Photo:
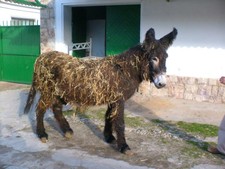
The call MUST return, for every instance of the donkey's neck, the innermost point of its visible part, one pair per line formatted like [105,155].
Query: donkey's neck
[133,63]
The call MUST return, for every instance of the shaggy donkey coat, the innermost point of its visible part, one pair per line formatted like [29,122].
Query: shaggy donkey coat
[61,78]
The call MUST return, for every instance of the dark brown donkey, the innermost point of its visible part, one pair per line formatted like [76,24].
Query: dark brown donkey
[60,79]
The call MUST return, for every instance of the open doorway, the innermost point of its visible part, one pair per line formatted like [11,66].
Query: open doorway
[112,29]
[89,22]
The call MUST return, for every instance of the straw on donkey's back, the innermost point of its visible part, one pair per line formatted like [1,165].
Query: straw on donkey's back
[83,82]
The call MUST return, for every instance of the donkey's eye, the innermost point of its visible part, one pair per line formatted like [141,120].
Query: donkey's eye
[155,59]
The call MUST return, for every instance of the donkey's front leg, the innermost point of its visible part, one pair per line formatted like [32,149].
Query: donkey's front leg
[119,126]
[63,123]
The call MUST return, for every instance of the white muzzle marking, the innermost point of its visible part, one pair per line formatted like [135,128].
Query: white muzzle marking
[160,81]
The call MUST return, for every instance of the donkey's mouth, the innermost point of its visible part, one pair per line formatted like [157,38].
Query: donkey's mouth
[160,81]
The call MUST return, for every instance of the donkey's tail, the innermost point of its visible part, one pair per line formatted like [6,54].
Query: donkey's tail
[30,98]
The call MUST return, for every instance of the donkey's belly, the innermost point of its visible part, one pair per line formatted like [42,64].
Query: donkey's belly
[91,97]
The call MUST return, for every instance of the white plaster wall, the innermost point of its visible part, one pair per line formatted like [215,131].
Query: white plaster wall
[9,10]
[199,50]
[68,25]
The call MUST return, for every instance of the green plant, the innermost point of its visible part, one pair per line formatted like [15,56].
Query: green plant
[205,130]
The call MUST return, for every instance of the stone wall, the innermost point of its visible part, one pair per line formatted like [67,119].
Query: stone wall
[47,26]
[198,89]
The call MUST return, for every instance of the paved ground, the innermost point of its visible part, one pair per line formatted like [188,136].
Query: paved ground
[153,147]
[11,86]
[178,109]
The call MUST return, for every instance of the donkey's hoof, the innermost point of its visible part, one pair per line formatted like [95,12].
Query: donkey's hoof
[125,149]
[128,152]
[69,134]
[44,139]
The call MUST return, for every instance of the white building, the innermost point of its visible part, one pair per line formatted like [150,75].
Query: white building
[199,50]
[14,12]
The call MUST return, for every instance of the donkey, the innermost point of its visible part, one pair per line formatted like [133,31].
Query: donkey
[61,79]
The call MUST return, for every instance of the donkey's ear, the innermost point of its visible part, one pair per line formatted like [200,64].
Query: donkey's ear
[150,35]
[168,39]
[149,39]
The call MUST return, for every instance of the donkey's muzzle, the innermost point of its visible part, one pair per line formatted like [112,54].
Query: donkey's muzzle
[160,81]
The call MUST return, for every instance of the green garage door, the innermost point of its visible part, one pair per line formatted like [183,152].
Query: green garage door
[19,48]
[122,28]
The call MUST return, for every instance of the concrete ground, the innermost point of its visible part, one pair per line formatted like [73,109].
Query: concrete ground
[11,86]
[173,109]
[154,147]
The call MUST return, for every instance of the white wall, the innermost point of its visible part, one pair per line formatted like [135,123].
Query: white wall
[9,10]
[199,50]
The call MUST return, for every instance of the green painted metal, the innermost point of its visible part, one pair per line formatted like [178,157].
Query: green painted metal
[122,28]
[35,3]
[18,68]
[19,48]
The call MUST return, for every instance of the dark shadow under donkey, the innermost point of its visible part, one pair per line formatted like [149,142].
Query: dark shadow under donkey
[61,79]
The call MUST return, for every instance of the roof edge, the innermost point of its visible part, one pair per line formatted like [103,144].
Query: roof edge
[33,3]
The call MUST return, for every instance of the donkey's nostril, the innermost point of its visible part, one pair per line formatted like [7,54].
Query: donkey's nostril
[161,84]
[160,81]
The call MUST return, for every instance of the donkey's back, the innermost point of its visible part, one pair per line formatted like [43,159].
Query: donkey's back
[77,81]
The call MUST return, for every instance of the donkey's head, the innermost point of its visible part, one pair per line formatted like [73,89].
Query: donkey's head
[156,54]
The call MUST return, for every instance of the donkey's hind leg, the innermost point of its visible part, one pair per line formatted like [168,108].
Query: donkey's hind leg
[109,138]
[40,111]
[63,123]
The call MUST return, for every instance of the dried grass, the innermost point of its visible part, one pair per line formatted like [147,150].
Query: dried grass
[79,82]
